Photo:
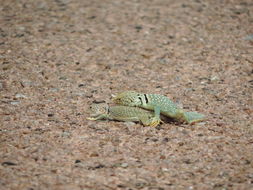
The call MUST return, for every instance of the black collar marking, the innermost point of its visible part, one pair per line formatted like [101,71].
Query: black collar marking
[146,98]
[140,100]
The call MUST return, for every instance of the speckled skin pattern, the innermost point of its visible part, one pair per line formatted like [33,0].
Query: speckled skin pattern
[159,103]
[121,113]
[167,107]
[147,101]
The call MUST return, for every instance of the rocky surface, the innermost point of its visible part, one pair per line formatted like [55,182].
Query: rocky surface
[56,57]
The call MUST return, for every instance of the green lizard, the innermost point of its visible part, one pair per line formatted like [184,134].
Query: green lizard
[122,113]
[158,103]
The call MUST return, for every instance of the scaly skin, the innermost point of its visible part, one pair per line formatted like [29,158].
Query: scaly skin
[122,113]
[158,103]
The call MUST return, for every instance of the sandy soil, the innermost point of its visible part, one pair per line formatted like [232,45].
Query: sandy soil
[56,57]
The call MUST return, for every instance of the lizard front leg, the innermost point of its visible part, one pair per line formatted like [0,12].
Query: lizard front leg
[156,120]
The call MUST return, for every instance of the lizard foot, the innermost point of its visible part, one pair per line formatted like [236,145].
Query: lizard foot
[155,122]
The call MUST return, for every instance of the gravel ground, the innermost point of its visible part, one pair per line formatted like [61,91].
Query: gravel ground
[56,57]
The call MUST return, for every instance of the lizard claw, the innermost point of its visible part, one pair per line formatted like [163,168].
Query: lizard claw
[155,122]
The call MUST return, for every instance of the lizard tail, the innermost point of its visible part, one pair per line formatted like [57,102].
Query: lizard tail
[193,117]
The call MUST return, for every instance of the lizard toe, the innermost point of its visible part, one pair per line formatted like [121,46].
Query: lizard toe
[155,122]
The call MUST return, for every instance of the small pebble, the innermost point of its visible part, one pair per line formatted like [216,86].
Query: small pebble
[215,137]
[8,164]
[77,161]
[214,78]
[20,96]
[124,165]
[54,89]
[249,37]
[65,134]
[129,124]
[201,123]
[165,170]
[27,83]
[14,103]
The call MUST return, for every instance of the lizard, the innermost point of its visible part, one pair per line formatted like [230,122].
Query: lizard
[101,111]
[159,104]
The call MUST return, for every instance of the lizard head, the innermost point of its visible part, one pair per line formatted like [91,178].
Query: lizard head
[128,98]
[98,109]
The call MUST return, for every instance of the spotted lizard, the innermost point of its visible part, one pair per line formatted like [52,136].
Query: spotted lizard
[121,113]
[159,104]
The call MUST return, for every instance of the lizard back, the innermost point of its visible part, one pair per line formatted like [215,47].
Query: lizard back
[167,107]
[120,112]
